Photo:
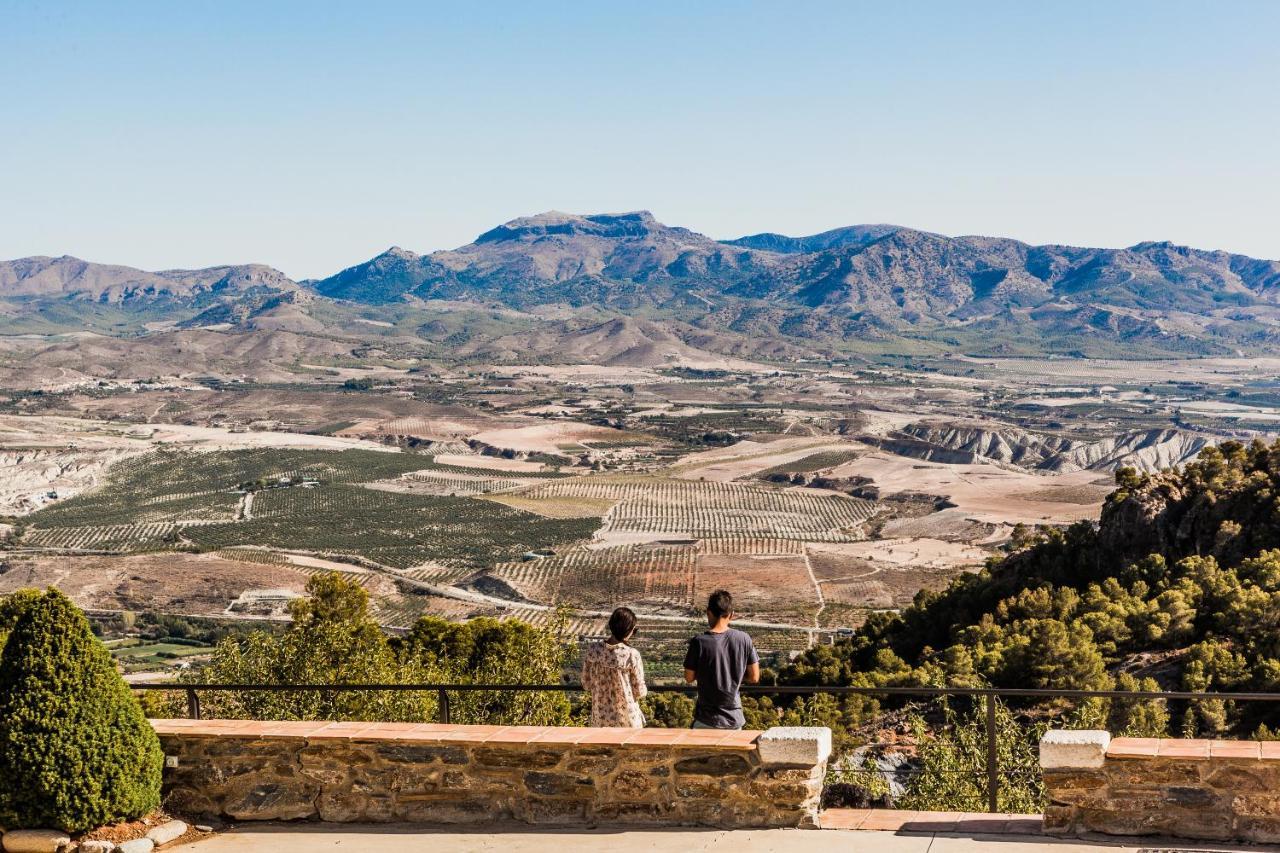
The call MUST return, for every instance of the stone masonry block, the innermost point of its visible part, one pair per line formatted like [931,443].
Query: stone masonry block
[794,746]
[1082,749]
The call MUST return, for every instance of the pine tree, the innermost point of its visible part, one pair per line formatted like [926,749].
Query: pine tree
[75,750]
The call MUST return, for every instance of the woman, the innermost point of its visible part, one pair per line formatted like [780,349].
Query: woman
[613,676]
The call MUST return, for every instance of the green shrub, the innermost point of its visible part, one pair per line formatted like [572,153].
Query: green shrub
[75,749]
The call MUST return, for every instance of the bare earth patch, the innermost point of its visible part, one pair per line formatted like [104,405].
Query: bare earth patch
[764,588]
[553,437]
[983,492]
[187,584]
[494,463]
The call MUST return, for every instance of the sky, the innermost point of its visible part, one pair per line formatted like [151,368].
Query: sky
[312,135]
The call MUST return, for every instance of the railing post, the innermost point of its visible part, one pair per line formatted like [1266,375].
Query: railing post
[444,705]
[993,769]
[193,704]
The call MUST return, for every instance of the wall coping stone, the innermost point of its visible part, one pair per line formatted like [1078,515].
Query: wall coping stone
[794,746]
[1193,750]
[1075,748]
[693,739]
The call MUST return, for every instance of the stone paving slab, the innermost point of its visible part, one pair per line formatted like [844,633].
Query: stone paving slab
[354,838]
[901,820]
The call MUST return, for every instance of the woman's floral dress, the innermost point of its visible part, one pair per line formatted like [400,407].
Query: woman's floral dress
[613,676]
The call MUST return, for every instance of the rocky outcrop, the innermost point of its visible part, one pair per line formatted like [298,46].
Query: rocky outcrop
[964,443]
[1146,451]
[31,478]
[974,442]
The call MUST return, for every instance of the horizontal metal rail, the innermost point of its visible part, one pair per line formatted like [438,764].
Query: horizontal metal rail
[751,689]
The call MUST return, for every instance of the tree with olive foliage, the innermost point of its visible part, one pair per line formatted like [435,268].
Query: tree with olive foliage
[334,639]
[492,651]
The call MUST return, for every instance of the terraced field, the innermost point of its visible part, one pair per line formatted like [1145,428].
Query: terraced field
[699,509]
[107,538]
[599,580]
[670,580]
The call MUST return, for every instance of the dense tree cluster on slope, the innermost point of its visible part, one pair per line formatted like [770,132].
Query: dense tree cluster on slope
[1177,586]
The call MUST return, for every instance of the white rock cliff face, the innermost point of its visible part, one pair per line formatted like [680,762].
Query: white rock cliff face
[28,475]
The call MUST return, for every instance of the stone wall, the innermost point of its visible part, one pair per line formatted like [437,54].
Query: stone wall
[429,773]
[1216,790]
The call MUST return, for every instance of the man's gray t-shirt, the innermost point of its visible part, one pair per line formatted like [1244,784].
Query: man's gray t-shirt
[720,661]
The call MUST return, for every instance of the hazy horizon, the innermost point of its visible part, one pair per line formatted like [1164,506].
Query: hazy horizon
[161,137]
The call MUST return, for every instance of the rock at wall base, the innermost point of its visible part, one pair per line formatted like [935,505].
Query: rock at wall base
[166,832]
[35,840]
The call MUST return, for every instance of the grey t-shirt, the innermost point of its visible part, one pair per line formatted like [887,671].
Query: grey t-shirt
[720,661]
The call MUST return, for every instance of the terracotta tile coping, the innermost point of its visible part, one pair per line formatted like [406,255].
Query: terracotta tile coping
[895,820]
[437,733]
[1193,749]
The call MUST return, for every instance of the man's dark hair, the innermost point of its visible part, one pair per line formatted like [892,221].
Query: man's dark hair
[720,604]
[622,623]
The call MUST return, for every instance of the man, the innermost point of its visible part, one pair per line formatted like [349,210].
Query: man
[718,661]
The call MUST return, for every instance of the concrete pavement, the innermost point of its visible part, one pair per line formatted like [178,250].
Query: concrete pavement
[355,838]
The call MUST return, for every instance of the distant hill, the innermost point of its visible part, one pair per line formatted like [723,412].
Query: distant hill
[837,238]
[44,277]
[882,288]
[882,283]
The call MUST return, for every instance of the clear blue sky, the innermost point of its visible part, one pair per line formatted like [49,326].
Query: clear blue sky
[313,135]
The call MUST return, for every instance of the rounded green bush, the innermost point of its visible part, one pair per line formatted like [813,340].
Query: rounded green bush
[75,750]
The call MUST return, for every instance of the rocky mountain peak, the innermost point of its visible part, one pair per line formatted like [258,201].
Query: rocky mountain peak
[554,223]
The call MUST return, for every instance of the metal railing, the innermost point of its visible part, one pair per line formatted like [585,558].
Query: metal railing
[988,695]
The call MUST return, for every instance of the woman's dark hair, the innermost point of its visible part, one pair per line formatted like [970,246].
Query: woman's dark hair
[622,623]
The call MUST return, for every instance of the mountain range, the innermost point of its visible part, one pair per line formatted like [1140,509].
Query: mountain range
[533,283]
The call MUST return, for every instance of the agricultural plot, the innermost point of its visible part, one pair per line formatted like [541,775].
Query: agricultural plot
[253,555]
[766,589]
[749,546]
[644,578]
[456,484]
[394,530]
[155,656]
[556,507]
[837,614]
[666,580]
[694,508]
[166,499]
[109,538]
[442,575]
[185,486]
[485,466]
[887,573]
[820,461]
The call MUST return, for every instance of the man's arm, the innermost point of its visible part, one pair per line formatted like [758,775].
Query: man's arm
[691,662]
[752,675]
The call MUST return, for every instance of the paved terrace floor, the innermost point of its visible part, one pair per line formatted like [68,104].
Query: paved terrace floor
[846,831]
